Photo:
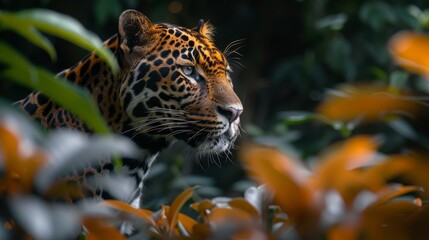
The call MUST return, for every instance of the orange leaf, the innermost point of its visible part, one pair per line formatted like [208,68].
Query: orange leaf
[341,232]
[163,224]
[228,215]
[177,204]
[410,50]
[393,167]
[338,168]
[368,103]
[418,174]
[67,190]
[187,222]
[201,231]
[9,143]
[393,220]
[142,213]
[21,163]
[351,154]
[202,206]
[99,230]
[413,168]
[283,176]
[241,203]
[391,194]
[250,233]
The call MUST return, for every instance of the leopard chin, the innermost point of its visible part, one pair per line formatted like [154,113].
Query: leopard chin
[220,143]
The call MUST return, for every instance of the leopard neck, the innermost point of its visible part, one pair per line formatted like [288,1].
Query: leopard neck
[95,75]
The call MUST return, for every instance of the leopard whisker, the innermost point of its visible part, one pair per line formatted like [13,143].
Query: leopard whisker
[162,126]
[238,64]
[235,51]
[139,128]
[197,133]
[179,132]
[232,44]
[164,119]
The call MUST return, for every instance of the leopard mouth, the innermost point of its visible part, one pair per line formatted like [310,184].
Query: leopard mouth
[215,144]
[206,138]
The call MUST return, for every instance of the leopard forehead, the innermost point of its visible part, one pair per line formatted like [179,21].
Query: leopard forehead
[187,44]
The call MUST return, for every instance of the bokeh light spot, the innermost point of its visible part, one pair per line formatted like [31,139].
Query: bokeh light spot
[175,7]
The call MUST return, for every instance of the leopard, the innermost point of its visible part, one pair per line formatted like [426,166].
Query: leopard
[174,84]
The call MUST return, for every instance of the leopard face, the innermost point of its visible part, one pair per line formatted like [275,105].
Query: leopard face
[178,85]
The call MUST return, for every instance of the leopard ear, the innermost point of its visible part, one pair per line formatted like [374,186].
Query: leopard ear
[135,30]
[206,29]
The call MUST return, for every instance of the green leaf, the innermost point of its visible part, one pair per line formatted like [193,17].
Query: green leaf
[292,118]
[421,16]
[253,130]
[13,22]
[69,96]
[397,81]
[377,14]
[339,57]
[56,24]
[297,117]
[379,73]
[334,22]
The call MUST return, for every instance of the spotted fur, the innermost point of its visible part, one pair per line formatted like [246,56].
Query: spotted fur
[173,84]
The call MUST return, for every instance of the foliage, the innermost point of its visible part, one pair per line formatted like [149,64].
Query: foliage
[28,24]
[348,163]
[34,168]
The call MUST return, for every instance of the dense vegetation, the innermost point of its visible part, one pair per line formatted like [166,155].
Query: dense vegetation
[335,99]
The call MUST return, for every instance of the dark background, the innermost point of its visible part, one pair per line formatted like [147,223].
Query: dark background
[293,51]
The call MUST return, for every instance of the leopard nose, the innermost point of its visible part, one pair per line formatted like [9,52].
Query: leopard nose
[231,113]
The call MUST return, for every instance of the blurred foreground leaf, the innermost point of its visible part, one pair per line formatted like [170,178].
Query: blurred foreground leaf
[343,195]
[97,230]
[43,220]
[28,23]
[20,168]
[124,207]
[338,168]
[366,103]
[34,170]
[282,175]
[409,49]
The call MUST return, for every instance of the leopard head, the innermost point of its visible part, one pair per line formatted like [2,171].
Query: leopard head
[178,84]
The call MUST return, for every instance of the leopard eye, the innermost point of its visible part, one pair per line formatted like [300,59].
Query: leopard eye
[188,70]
